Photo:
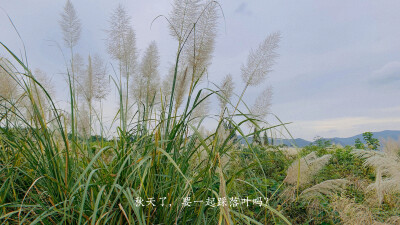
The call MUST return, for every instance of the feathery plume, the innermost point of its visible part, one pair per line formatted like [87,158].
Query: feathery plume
[202,109]
[70,25]
[181,86]
[146,83]
[39,98]
[121,41]
[78,75]
[121,45]
[202,41]
[182,81]
[79,66]
[84,125]
[391,147]
[101,85]
[260,61]
[262,104]
[387,167]
[183,16]
[166,89]
[93,81]
[352,213]
[324,189]
[88,82]
[9,88]
[45,81]
[309,166]
[226,91]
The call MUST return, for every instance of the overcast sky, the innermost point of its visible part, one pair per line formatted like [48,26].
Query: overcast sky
[338,73]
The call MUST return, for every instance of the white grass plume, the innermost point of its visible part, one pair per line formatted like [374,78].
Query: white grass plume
[70,25]
[181,86]
[309,166]
[203,108]
[391,147]
[262,105]
[101,84]
[352,213]
[226,91]
[260,61]
[146,83]
[78,66]
[9,88]
[121,41]
[202,41]
[324,189]
[183,17]
[387,168]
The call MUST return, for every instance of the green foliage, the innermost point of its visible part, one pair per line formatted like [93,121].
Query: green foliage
[358,144]
[372,143]
[341,163]
[321,142]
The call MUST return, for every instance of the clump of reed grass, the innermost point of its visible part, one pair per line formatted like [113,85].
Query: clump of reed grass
[303,170]
[387,167]
[351,212]
[324,189]
[57,174]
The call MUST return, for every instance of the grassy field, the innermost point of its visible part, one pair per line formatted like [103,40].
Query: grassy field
[159,166]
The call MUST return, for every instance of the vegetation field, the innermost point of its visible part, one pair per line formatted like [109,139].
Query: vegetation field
[156,161]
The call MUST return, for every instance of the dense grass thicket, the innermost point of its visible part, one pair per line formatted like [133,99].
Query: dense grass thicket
[160,165]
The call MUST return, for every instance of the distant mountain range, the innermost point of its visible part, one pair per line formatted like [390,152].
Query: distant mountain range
[394,134]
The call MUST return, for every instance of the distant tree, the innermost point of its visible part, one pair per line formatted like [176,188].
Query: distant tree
[372,143]
[321,142]
[358,144]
